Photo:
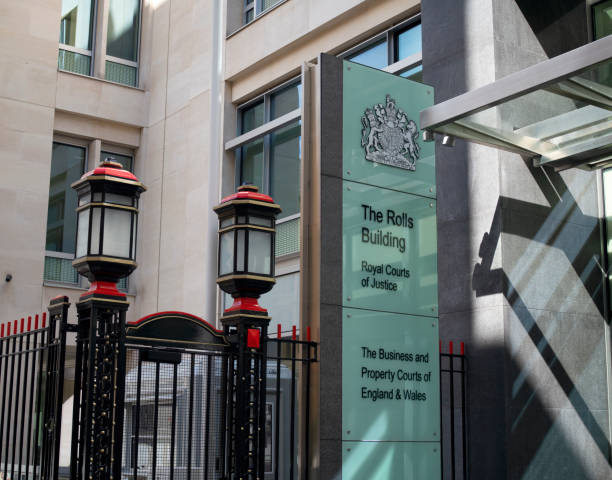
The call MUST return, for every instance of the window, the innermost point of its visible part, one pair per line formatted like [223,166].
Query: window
[397,50]
[67,166]
[68,163]
[272,161]
[254,8]
[602,27]
[122,41]
[602,19]
[119,56]
[127,161]
[76,32]
[607,201]
[281,302]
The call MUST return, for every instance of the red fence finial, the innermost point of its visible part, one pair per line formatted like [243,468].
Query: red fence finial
[44,320]
[462,348]
[2,330]
[15,327]
[36,322]
[29,322]
[308,333]
[278,331]
[450,347]
[294,333]
[22,325]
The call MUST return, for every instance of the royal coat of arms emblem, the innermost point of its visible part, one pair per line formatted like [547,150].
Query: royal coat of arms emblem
[388,136]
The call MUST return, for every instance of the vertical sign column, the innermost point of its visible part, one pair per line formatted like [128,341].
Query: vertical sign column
[390,357]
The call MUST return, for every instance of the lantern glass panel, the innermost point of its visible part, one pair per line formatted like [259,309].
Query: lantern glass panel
[97,196]
[82,233]
[260,252]
[226,222]
[240,251]
[94,248]
[117,228]
[118,199]
[134,228]
[83,199]
[241,219]
[261,221]
[226,253]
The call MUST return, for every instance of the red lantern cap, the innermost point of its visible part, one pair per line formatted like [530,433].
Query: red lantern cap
[248,192]
[113,169]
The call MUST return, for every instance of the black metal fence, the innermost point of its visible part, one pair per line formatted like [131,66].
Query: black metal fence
[288,373]
[32,356]
[178,403]
[453,412]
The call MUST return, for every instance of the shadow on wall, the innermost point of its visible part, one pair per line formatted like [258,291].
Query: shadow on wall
[556,23]
[557,420]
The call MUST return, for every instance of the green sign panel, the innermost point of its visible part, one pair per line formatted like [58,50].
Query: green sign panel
[389,250]
[390,355]
[381,140]
[390,460]
[390,377]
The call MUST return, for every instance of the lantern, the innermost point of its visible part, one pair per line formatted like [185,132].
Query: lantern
[246,242]
[107,222]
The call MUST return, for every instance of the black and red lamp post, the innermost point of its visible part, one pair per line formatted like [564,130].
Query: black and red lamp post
[247,221]
[105,252]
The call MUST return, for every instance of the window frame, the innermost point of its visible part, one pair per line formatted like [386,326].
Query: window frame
[100,50]
[390,35]
[264,132]
[122,61]
[82,51]
[71,142]
[117,150]
[90,162]
[257,7]
[590,5]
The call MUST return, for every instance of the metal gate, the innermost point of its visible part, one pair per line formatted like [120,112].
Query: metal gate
[180,418]
[175,399]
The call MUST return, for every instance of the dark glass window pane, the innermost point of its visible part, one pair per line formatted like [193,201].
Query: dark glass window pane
[602,19]
[76,23]
[285,101]
[126,160]
[415,74]
[252,117]
[285,169]
[249,16]
[67,166]
[409,42]
[607,198]
[375,56]
[123,29]
[252,164]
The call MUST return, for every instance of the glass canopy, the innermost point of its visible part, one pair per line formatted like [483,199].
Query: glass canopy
[559,112]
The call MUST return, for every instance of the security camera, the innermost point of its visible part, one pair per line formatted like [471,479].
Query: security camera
[8,277]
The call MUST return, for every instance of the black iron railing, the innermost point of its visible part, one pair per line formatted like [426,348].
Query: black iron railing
[453,412]
[289,364]
[32,356]
[178,405]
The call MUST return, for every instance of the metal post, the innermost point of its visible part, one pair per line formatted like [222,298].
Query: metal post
[247,408]
[99,407]
[56,356]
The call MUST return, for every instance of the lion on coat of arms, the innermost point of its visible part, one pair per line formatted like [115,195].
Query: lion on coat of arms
[389,137]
